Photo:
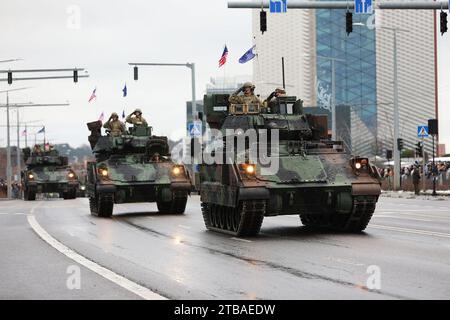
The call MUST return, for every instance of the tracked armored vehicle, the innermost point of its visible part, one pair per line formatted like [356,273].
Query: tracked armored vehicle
[314,178]
[134,167]
[47,172]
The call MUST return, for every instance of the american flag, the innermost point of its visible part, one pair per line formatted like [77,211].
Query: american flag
[24,132]
[223,59]
[93,96]
[102,116]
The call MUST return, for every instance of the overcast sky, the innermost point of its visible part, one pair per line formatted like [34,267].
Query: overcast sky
[45,33]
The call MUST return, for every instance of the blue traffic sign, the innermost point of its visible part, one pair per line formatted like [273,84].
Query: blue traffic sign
[278,6]
[363,7]
[195,129]
[422,131]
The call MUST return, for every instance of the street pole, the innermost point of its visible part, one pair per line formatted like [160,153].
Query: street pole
[423,164]
[433,171]
[333,101]
[18,146]
[8,150]
[397,163]
[26,136]
[193,102]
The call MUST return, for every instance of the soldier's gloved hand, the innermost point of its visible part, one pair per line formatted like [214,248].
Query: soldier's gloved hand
[239,90]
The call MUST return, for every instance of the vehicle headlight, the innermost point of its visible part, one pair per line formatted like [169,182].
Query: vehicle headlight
[71,175]
[176,171]
[248,169]
[360,163]
[83,188]
[103,172]
[30,176]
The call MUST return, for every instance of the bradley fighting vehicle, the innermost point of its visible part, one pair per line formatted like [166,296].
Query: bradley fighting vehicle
[47,172]
[316,178]
[134,167]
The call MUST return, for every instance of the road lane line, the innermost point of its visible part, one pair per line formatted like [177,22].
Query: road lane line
[240,239]
[121,281]
[184,227]
[414,231]
[401,218]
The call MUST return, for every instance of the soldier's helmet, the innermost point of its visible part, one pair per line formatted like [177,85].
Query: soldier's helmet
[249,85]
[280,90]
[138,111]
[114,115]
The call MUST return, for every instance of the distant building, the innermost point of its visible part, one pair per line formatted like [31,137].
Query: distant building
[441,150]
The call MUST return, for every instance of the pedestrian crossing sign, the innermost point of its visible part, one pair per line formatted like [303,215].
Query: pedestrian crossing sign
[422,131]
[195,129]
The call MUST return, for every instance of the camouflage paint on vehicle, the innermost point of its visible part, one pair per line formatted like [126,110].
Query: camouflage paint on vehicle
[134,167]
[316,178]
[47,172]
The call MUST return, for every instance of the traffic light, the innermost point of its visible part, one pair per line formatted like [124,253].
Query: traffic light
[443,22]
[348,22]
[400,144]
[263,21]
[135,72]
[419,149]
[9,77]
[75,76]
[388,154]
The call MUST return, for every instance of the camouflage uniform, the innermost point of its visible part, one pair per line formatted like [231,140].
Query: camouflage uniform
[137,120]
[116,127]
[235,98]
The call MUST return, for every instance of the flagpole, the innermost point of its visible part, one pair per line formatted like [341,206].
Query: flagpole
[44,137]
[26,136]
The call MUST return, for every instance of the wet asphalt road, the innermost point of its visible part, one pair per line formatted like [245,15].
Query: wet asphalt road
[407,241]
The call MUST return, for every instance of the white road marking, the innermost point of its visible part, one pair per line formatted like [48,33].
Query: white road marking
[240,239]
[401,218]
[14,213]
[413,231]
[184,227]
[125,283]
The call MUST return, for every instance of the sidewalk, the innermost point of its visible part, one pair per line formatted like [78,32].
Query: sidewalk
[441,195]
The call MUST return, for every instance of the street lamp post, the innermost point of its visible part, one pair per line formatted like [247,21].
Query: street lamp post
[193,103]
[397,163]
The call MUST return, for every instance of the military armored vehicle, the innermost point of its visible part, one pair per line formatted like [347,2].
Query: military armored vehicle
[134,167]
[316,178]
[47,172]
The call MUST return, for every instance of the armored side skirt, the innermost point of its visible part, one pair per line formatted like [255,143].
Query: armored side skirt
[131,193]
[289,200]
[52,187]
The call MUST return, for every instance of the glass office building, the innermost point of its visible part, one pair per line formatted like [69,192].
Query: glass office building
[355,64]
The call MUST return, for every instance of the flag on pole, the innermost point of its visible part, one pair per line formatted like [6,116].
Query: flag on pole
[42,130]
[223,58]
[249,55]
[24,132]
[102,116]
[124,90]
[123,114]
[93,96]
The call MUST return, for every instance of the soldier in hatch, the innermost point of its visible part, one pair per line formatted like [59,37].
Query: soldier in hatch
[248,96]
[115,126]
[136,118]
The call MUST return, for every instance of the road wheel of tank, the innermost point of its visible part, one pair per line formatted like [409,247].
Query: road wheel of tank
[102,205]
[93,205]
[29,195]
[179,205]
[245,220]
[176,206]
[362,211]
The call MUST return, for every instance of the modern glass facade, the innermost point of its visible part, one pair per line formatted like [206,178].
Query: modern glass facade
[355,71]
